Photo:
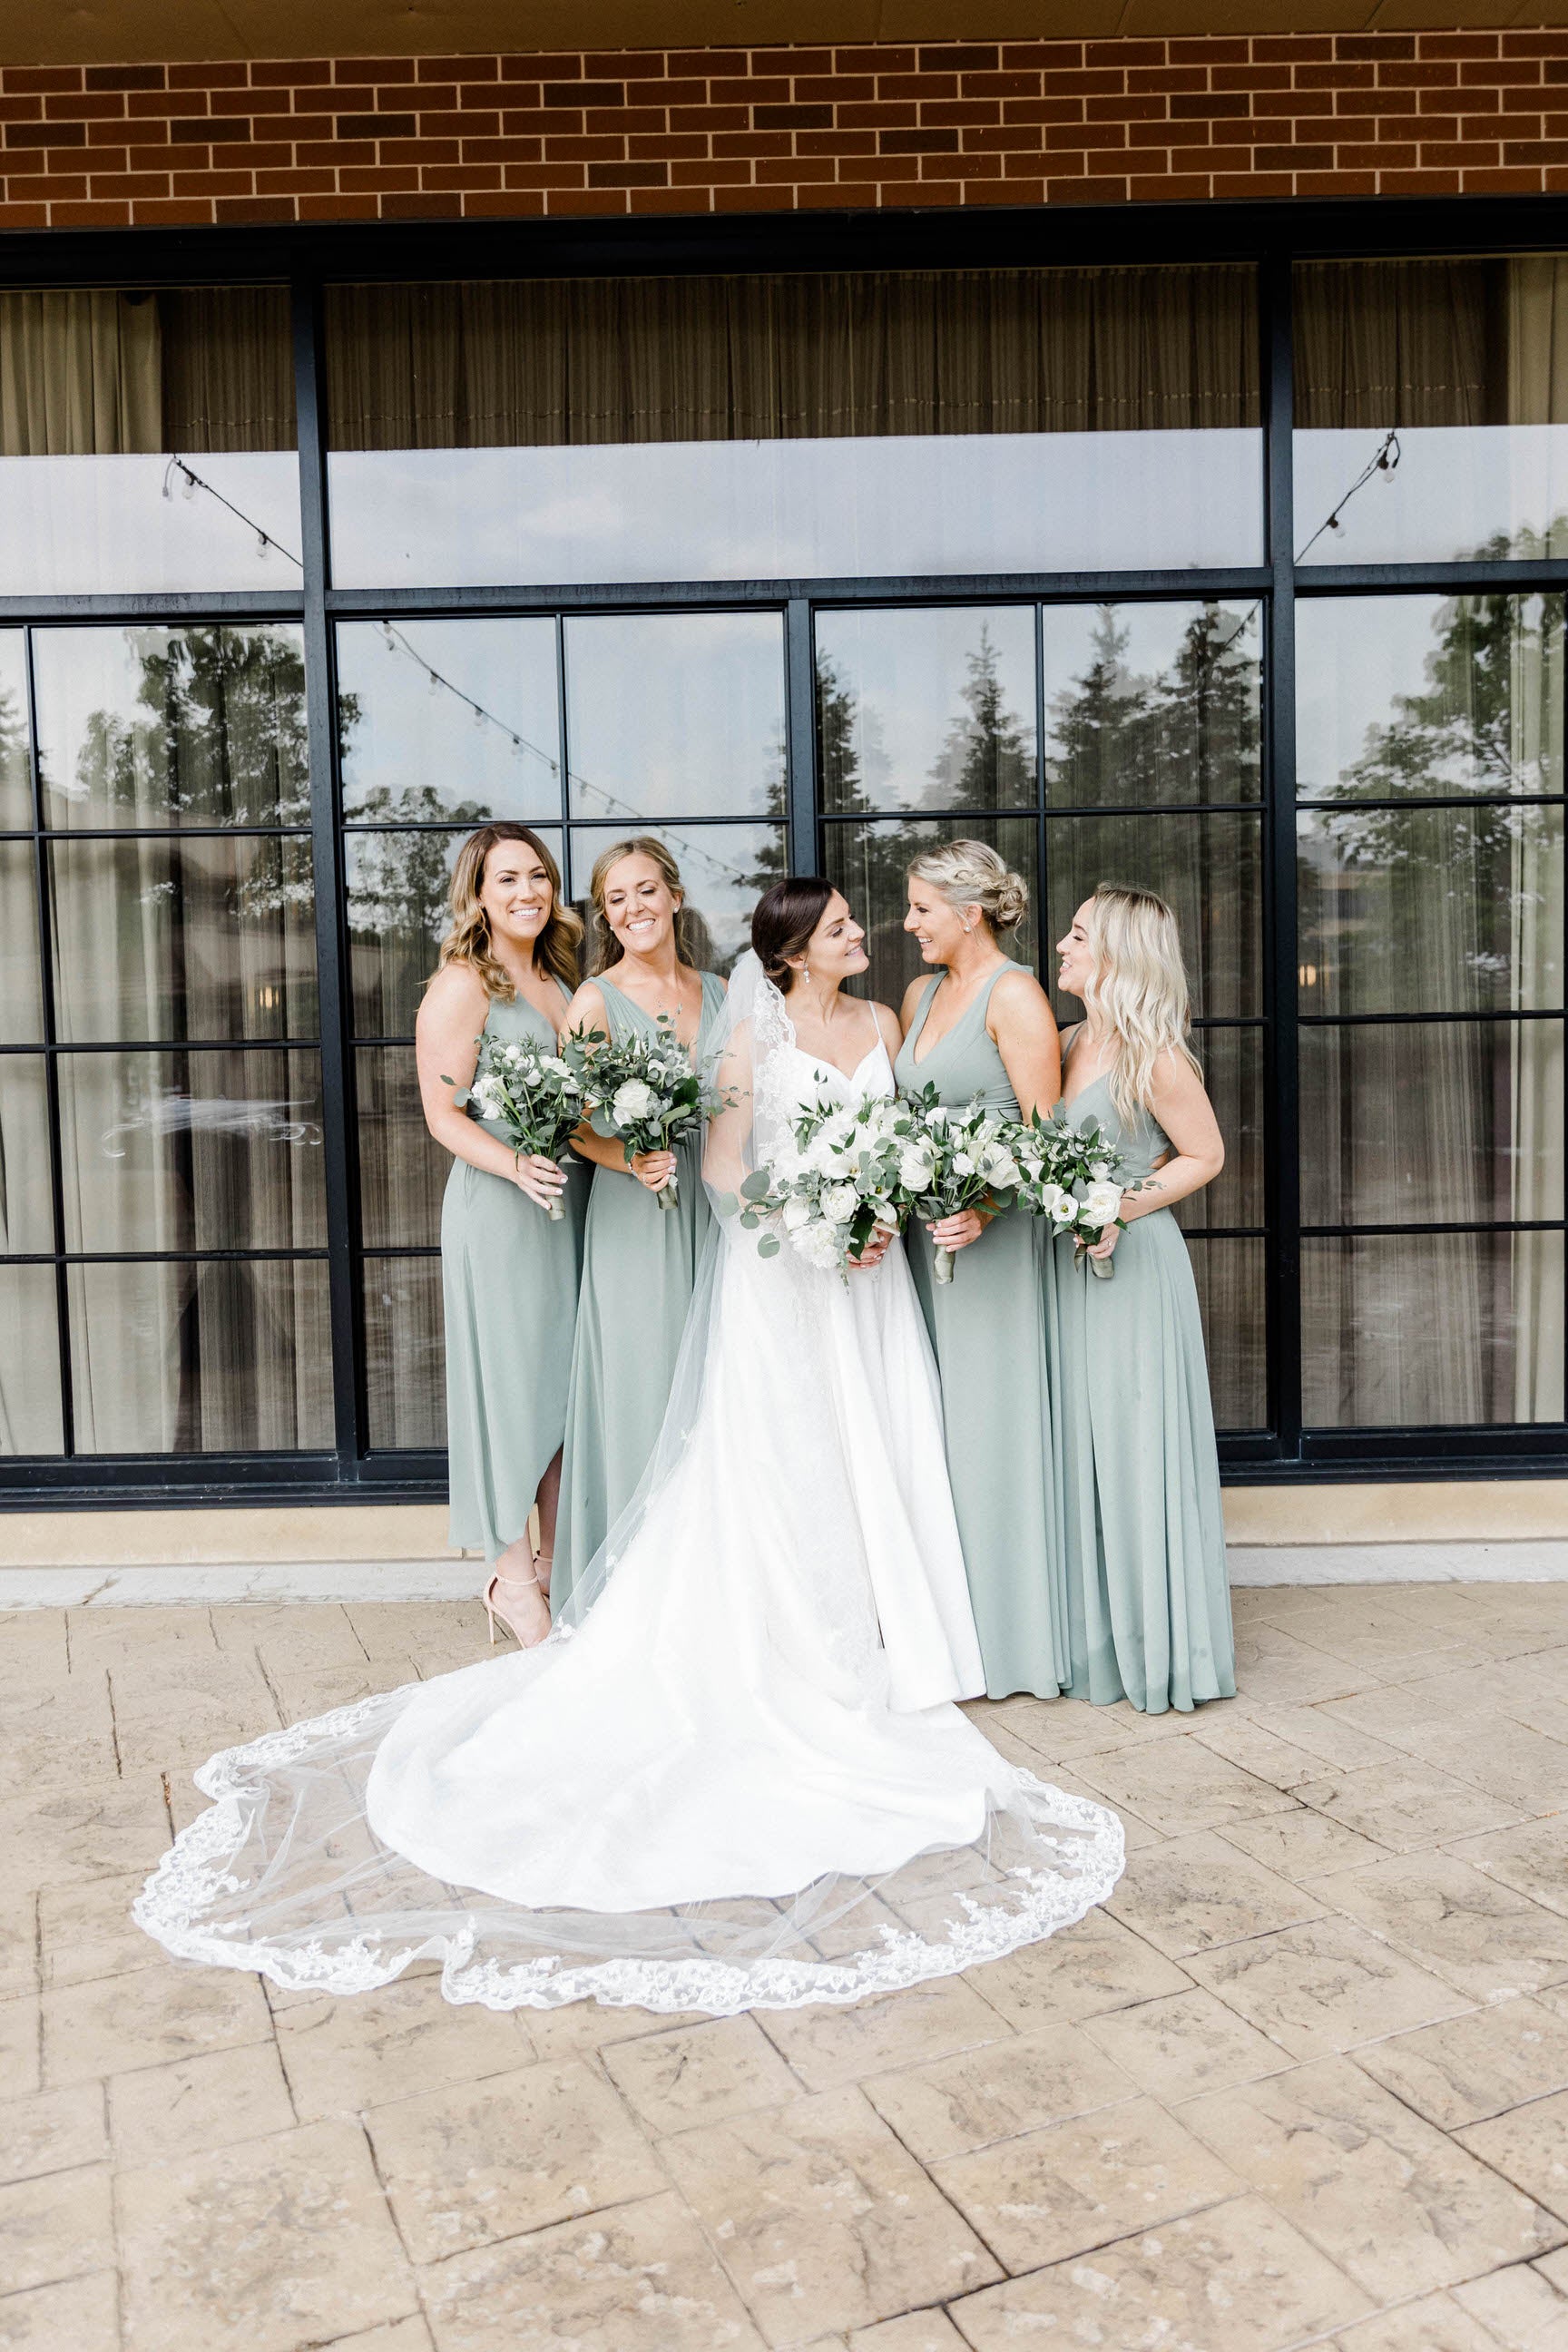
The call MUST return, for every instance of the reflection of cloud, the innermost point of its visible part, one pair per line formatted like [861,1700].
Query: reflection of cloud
[180,1114]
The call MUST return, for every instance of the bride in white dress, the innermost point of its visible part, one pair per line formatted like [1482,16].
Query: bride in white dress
[734,1777]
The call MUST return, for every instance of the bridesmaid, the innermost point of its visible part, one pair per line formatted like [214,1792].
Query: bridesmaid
[639,1261]
[1147,1590]
[983,1026]
[509,1273]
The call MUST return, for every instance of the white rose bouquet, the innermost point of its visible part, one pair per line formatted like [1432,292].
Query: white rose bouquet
[1074,1178]
[645,1091]
[831,1186]
[952,1159]
[535,1096]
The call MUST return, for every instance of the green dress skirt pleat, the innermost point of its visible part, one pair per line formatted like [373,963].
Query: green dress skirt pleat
[509,1279]
[640,1265]
[1148,1596]
[989,1341]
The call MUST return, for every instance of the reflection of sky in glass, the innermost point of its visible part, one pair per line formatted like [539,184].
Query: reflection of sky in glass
[77,525]
[1153,634]
[905,673]
[413,750]
[1456,491]
[675,714]
[935,503]
[21,996]
[724,868]
[15,789]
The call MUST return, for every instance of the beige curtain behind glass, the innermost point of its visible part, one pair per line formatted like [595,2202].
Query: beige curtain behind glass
[1398,343]
[550,362]
[113,375]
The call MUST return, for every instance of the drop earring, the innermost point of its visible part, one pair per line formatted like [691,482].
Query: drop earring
[805,972]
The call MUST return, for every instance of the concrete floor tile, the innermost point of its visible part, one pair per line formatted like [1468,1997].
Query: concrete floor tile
[287,1633]
[1321,1731]
[1195,1893]
[52,2131]
[122,1637]
[1435,2322]
[1400,2208]
[65,1834]
[1179,1786]
[267,2246]
[1528,2147]
[1277,1668]
[1475,2067]
[1405,1805]
[918,2331]
[1301,1846]
[1324,1987]
[1464,1927]
[1244,1742]
[1054,1728]
[701,2073]
[967,2102]
[1237,2278]
[341,2056]
[85,1931]
[18,1942]
[826,2046]
[478,2161]
[1187,2044]
[55,2227]
[1520,1767]
[398,2336]
[1076,2185]
[159,2114]
[116,2023]
[180,1715]
[821,2218]
[35,1770]
[33,1646]
[1532,1859]
[1096,1966]
[21,2067]
[81,2315]
[1520,2308]
[640,2279]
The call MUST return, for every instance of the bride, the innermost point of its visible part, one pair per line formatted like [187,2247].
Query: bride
[733,1776]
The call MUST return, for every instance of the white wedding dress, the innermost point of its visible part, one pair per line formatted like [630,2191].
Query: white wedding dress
[736,1778]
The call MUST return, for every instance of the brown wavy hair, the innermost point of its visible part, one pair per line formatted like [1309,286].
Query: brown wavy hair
[555,950]
[689,928]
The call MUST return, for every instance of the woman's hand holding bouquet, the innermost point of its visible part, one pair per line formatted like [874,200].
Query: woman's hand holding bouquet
[647,1092]
[1073,1177]
[952,1160]
[832,1190]
[537,1097]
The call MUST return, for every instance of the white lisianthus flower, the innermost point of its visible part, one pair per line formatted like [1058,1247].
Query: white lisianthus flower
[554,1065]
[1099,1172]
[917,1166]
[486,1093]
[820,1156]
[999,1167]
[797,1212]
[632,1101]
[1102,1203]
[837,1129]
[962,1164]
[1063,1209]
[838,1203]
[818,1245]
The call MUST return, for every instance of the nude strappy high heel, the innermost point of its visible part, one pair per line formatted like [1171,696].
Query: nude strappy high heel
[493,1610]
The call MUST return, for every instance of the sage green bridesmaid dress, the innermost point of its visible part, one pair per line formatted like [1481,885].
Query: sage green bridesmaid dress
[639,1264]
[1148,1597]
[509,1279]
[989,1341]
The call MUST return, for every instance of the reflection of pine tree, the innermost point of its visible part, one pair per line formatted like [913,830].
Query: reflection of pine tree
[771,864]
[987,759]
[216,736]
[15,785]
[1190,733]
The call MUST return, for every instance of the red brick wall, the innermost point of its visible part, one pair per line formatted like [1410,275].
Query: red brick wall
[737,131]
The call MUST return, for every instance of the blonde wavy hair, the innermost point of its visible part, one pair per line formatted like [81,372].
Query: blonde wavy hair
[607,948]
[468,940]
[1139,987]
[971,873]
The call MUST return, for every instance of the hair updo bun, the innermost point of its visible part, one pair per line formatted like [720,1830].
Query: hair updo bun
[783,921]
[969,874]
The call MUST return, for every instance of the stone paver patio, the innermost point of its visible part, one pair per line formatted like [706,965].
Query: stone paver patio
[1303,2080]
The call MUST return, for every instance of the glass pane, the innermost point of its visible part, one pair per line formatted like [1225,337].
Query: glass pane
[154,727]
[27,1209]
[207,939]
[397,917]
[676,714]
[16,781]
[30,1363]
[1231,1278]
[869,863]
[1433,409]
[724,869]
[1431,910]
[216,1356]
[403,1170]
[1414,1329]
[1232,1063]
[1207,867]
[191,1152]
[1451,1122]
[148,441]
[406,1363]
[449,718]
[769,426]
[1150,703]
[21,980]
[1402,696]
[930,708]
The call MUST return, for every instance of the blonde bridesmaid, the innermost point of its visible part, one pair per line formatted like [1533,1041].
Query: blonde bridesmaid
[1148,1597]
[981,1027]
[639,1261]
[509,1272]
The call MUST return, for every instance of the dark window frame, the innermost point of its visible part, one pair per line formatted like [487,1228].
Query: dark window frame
[1271,237]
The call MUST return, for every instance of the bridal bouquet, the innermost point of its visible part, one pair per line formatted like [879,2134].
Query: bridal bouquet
[952,1159]
[644,1091]
[1073,1176]
[536,1097]
[830,1185]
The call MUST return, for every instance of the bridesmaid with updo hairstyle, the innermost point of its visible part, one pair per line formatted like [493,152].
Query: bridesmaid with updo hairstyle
[509,1273]
[982,1026]
[1147,1589]
[639,1261]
